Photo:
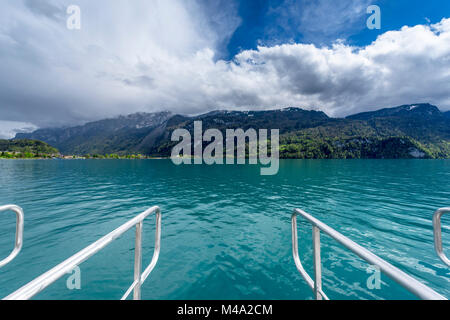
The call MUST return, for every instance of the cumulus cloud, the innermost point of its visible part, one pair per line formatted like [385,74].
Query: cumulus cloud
[165,55]
[405,66]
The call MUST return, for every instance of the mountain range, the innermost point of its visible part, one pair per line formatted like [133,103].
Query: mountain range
[408,131]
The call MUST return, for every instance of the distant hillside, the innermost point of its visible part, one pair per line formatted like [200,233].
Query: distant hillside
[146,133]
[26,148]
[423,122]
[286,120]
[406,111]
[121,135]
[409,131]
[354,139]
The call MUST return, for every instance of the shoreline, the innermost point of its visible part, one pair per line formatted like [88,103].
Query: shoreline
[71,159]
[168,158]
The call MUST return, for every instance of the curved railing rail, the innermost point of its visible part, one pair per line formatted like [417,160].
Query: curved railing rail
[408,282]
[438,234]
[19,233]
[34,287]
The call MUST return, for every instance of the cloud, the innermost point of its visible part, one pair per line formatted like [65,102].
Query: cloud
[318,21]
[47,9]
[9,129]
[54,76]
[163,55]
[405,66]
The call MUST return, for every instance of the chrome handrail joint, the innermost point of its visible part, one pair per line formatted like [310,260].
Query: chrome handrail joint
[18,243]
[437,228]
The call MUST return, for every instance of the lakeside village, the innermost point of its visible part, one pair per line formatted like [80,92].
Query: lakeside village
[37,156]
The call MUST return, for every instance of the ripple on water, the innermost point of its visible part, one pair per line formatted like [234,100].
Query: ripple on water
[226,229]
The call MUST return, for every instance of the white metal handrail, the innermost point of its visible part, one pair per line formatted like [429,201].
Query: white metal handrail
[438,234]
[19,233]
[408,282]
[34,287]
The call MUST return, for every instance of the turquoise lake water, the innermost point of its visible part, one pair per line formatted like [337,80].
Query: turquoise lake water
[226,230]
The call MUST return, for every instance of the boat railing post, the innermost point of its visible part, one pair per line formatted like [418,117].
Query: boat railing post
[317,264]
[138,262]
